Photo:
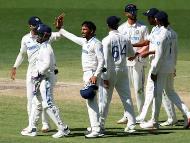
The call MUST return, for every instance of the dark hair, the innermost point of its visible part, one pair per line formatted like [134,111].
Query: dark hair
[162,17]
[113,22]
[90,25]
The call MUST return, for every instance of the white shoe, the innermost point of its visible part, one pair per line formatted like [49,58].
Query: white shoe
[123,120]
[139,120]
[94,134]
[130,129]
[186,122]
[169,122]
[45,128]
[149,125]
[102,129]
[29,132]
[62,133]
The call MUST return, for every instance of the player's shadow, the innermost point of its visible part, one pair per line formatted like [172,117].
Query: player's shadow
[136,133]
[178,126]
[118,132]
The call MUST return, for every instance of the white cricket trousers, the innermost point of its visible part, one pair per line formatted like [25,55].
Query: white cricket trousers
[47,103]
[136,77]
[92,104]
[32,101]
[149,98]
[118,80]
[166,81]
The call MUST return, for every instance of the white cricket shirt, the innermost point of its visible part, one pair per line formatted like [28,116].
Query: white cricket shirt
[135,33]
[92,52]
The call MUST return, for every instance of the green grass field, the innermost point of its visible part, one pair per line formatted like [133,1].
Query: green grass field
[14,15]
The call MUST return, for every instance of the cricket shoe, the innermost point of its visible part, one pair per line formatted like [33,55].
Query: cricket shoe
[139,120]
[29,132]
[45,128]
[102,129]
[94,134]
[130,129]
[62,133]
[169,122]
[149,125]
[186,122]
[123,120]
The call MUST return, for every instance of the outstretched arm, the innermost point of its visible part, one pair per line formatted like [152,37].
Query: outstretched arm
[59,23]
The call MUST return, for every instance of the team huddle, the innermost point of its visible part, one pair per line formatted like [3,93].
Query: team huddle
[117,61]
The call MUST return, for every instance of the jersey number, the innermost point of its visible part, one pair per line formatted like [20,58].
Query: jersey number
[117,53]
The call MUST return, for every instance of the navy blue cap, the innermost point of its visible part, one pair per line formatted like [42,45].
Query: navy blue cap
[130,8]
[34,21]
[113,21]
[151,12]
[161,16]
[43,29]
[89,91]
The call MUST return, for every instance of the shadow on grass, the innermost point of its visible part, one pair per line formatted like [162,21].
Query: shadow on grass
[117,132]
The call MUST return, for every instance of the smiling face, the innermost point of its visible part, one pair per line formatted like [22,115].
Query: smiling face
[86,32]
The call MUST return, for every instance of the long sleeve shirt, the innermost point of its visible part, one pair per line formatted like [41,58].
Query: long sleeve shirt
[92,52]
[165,51]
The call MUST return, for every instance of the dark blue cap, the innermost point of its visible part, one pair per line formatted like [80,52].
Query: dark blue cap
[151,12]
[161,16]
[130,8]
[34,21]
[43,29]
[89,91]
[113,21]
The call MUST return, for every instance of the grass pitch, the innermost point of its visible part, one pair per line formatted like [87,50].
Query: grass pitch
[13,23]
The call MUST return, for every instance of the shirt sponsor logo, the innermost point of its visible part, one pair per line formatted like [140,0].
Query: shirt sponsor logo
[134,38]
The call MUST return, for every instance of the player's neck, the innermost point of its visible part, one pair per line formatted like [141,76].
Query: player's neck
[89,37]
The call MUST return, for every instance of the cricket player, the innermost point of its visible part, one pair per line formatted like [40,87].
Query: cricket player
[161,73]
[168,106]
[42,74]
[116,48]
[30,48]
[92,64]
[136,32]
